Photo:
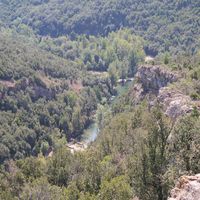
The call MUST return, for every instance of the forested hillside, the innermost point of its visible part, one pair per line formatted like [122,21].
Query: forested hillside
[166,25]
[99,100]
[50,88]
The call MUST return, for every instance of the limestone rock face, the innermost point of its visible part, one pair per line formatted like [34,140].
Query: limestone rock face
[152,82]
[152,78]
[174,102]
[149,80]
[187,188]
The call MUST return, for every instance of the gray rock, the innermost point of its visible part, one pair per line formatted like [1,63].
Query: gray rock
[187,188]
[174,102]
[152,82]
[152,78]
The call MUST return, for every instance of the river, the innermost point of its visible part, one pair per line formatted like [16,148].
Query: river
[90,134]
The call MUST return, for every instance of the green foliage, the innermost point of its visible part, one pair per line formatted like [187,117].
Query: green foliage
[45,92]
[186,144]
[72,192]
[31,168]
[60,63]
[21,59]
[167,26]
[137,154]
[153,159]
[117,188]
[166,59]
[101,53]
[58,170]
[42,90]
[41,189]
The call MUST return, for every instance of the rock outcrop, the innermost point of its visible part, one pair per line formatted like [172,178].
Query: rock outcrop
[187,188]
[149,80]
[174,102]
[152,82]
[152,78]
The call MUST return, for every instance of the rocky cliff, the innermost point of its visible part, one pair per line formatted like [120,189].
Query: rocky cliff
[152,78]
[187,188]
[174,102]
[153,83]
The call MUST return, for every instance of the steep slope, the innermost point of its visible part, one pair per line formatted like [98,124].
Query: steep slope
[20,58]
[171,89]
[41,96]
[50,88]
[154,81]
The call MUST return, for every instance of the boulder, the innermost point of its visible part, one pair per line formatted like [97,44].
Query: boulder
[187,188]
[174,102]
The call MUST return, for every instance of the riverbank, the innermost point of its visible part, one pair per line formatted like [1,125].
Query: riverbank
[91,133]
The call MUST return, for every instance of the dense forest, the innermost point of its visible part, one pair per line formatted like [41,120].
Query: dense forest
[166,25]
[55,92]
[131,67]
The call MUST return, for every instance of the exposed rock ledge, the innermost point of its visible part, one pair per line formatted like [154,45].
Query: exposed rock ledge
[187,188]
[152,78]
[154,81]
[174,102]
[149,80]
